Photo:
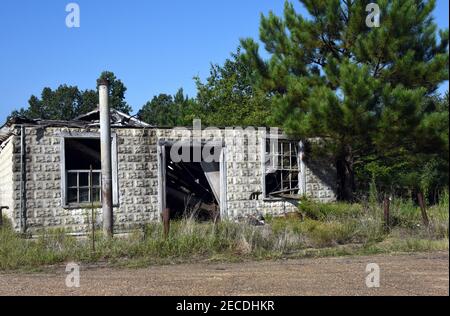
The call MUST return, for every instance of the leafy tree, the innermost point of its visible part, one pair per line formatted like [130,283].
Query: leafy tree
[89,102]
[228,97]
[117,92]
[61,104]
[68,102]
[167,110]
[360,89]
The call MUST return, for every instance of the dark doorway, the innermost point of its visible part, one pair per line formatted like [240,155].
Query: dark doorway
[192,188]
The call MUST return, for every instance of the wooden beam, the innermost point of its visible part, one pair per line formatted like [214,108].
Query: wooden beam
[166,221]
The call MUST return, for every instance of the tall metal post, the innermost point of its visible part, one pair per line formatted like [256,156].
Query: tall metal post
[105,139]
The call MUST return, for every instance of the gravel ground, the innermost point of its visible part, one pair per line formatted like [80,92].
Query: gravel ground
[416,274]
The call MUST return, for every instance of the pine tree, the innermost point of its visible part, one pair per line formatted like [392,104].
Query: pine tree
[360,89]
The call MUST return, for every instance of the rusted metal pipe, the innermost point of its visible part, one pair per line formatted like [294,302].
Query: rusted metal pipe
[166,221]
[23,180]
[423,209]
[105,137]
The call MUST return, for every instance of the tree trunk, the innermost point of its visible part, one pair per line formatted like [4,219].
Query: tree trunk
[346,175]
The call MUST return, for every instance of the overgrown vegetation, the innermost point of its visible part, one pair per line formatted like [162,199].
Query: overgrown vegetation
[358,88]
[370,94]
[316,230]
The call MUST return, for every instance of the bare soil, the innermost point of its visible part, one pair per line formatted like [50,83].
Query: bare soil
[403,274]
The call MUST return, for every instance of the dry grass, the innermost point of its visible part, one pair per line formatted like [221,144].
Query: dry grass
[322,230]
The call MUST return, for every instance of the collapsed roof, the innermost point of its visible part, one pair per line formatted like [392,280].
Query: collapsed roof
[91,119]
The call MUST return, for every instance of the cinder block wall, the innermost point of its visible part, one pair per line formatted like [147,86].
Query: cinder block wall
[321,180]
[6,179]
[245,174]
[137,179]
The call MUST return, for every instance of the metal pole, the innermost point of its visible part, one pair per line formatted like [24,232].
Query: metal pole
[91,197]
[23,187]
[105,136]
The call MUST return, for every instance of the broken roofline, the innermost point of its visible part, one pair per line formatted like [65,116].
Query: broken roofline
[118,119]
[187,138]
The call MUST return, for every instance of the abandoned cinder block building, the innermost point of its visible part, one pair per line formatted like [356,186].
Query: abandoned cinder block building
[46,179]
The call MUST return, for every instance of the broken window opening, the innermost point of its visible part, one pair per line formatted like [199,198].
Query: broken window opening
[281,168]
[82,154]
[79,154]
[192,189]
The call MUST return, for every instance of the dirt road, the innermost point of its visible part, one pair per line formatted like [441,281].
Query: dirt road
[418,274]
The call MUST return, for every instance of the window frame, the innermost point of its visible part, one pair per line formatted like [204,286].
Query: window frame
[78,187]
[64,173]
[300,163]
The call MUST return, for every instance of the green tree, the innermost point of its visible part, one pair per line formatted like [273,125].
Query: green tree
[68,102]
[60,104]
[168,111]
[360,89]
[158,111]
[89,102]
[117,92]
[228,97]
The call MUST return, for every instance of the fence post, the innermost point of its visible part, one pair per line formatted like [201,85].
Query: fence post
[166,221]
[387,216]
[423,209]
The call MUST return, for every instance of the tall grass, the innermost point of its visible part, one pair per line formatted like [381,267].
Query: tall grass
[322,229]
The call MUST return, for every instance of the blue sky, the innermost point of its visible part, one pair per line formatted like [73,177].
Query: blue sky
[154,46]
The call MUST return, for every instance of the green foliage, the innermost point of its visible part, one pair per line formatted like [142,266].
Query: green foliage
[63,103]
[168,111]
[117,92]
[228,97]
[363,90]
[417,163]
[68,102]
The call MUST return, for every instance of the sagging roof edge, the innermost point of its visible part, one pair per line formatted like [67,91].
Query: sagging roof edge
[7,130]
[119,120]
